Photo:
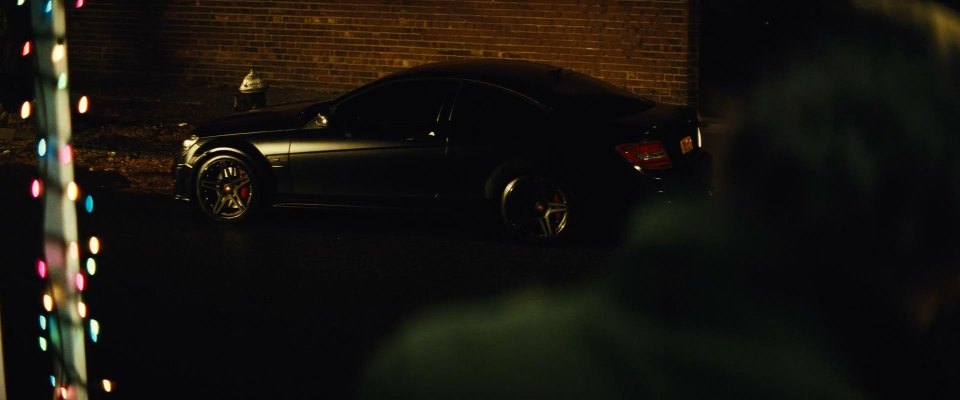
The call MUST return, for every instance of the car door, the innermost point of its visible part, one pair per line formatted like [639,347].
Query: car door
[384,142]
[489,125]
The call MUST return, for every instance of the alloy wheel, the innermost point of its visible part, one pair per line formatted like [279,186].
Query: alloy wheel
[536,208]
[225,188]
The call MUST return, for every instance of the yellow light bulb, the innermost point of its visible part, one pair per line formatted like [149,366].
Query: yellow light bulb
[84,105]
[73,192]
[59,51]
[94,245]
[25,110]
[48,302]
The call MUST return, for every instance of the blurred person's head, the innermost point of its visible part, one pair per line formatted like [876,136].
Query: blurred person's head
[848,154]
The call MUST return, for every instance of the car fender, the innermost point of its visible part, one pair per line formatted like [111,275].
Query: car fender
[243,150]
[520,166]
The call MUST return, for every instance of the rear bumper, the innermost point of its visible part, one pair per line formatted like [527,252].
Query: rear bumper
[627,186]
[694,179]
[609,203]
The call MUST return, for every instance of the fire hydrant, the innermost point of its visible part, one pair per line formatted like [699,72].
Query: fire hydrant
[253,93]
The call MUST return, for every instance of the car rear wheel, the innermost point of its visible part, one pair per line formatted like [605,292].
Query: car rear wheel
[538,208]
[227,188]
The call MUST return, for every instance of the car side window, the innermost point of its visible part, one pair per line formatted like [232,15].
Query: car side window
[401,102]
[480,106]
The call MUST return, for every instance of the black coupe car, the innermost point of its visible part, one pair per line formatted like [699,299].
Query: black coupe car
[546,147]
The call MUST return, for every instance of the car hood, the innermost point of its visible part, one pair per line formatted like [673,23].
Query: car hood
[274,118]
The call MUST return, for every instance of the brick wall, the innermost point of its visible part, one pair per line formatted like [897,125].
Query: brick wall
[647,46]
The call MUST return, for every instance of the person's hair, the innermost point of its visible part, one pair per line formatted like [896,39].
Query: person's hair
[850,147]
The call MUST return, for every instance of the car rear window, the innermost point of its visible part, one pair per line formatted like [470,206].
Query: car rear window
[574,91]
[480,106]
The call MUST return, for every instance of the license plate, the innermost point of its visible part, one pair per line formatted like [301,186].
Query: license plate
[686,144]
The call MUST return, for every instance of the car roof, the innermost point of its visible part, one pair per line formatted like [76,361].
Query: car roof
[552,86]
[480,68]
[526,77]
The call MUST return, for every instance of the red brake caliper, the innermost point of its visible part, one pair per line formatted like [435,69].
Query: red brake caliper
[244,191]
[556,217]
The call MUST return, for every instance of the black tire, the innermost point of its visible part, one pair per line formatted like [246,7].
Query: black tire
[538,208]
[227,188]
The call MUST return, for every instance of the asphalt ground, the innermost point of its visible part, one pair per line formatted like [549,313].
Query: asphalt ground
[283,307]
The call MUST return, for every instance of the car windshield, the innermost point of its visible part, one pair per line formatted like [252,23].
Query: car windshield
[575,91]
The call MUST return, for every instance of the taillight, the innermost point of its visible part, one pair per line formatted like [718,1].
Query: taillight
[646,155]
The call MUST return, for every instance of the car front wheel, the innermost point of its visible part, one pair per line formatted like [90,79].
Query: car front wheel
[537,208]
[226,188]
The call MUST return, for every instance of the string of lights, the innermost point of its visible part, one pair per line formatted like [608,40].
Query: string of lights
[66,317]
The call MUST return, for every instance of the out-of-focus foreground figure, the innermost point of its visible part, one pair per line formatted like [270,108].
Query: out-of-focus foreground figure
[827,268]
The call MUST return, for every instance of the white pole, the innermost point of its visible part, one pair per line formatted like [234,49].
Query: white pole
[61,242]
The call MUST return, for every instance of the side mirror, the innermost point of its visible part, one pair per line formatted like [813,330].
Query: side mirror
[320,122]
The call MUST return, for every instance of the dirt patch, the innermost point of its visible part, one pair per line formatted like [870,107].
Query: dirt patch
[124,158]
[130,137]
